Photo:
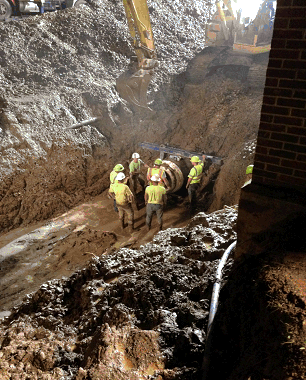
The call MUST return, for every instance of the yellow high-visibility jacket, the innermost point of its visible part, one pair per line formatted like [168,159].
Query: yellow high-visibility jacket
[156,171]
[196,173]
[155,194]
[122,193]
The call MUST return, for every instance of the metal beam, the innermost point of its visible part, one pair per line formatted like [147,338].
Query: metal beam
[162,149]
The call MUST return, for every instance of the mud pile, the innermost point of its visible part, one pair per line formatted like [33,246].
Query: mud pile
[60,68]
[260,329]
[132,314]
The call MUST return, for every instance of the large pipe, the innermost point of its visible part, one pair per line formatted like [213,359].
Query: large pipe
[214,307]
[176,173]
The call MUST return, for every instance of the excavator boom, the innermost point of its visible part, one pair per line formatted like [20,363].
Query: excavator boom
[133,84]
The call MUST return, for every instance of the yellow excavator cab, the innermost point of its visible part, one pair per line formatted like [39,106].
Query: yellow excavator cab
[133,86]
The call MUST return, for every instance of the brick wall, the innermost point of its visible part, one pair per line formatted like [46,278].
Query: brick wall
[280,158]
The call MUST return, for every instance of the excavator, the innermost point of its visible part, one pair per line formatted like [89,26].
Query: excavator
[133,86]
[226,27]
[240,31]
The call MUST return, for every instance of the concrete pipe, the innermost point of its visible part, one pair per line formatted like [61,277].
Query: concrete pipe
[177,173]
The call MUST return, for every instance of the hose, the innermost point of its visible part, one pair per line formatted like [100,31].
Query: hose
[214,307]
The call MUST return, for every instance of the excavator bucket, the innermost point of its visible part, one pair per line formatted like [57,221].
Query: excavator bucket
[133,87]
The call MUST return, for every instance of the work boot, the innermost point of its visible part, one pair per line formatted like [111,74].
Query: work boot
[148,228]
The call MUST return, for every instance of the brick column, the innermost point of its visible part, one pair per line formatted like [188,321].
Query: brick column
[280,158]
[276,196]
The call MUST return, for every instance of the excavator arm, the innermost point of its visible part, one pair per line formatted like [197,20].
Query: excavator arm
[133,86]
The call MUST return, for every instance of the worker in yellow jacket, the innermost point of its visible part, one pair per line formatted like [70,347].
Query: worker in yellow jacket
[249,172]
[156,199]
[160,172]
[135,172]
[136,176]
[194,179]
[113,174]
[112,179]
[124,197]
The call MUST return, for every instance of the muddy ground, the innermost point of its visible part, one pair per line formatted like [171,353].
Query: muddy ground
[262,336]
[120,306]
[129,314]
[141,311]
[31,256]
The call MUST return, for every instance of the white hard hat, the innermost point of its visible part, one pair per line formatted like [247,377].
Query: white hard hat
[155,178]
[135,155]
[120,176]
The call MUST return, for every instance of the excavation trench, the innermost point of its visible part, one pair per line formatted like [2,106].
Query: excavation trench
[120,306]
[30,257]
[65,74]
[66,243]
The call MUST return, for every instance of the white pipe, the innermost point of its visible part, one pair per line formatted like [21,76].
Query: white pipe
[82,123]
[217,285]
[214,307]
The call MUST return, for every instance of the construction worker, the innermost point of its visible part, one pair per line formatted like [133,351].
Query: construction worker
[124,198]
[112,178]
[248,172]
[160,172]
[194,179]
[135,172]
[155,199]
